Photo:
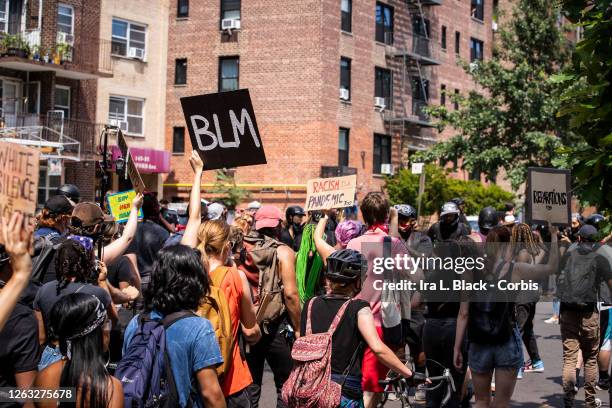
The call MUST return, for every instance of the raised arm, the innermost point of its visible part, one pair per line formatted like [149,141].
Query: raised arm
[323,248]
[190,237]
[393,223]
[116,248]
[529,271]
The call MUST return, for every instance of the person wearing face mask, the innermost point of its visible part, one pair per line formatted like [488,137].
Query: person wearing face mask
[418,243]
[291,235]
[448,228]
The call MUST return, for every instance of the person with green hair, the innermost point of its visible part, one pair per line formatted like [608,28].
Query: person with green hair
[308,265]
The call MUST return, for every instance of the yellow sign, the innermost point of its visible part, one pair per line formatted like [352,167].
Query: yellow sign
[120,205]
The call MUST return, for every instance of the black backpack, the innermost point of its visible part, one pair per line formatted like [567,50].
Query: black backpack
[577,283]
[45,248]
[491,320]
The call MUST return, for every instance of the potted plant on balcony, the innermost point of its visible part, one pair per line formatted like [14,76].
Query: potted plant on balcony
[24,48]
[9,42]
[46,57]
[35,52]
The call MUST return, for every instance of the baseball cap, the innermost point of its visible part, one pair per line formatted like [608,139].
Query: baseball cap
[268,216]
[254,205]
[588,232]
[449,208]
[59,204]
[215,210]
[90,214]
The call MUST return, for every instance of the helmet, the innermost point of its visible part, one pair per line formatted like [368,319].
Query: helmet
[449,208]
[345,265]
[406,210]
[292,211]
[594,220]
[69,190]
[488,218]
[458,200]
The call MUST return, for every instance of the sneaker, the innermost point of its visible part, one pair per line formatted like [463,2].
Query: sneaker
[603,384]
[419,395]
[598,403]
[552,320]
[537,367]
[519,375]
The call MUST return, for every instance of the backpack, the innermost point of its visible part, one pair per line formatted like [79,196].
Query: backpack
[310,385]
[262,252]
[45,248]
[216,309]
[492,320]
[604,291]
[577,283]
[145,371]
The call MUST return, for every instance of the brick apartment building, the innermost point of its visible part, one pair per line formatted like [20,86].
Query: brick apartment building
[51,58]
[337,86]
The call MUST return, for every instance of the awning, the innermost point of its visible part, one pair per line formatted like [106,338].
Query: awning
[148,161]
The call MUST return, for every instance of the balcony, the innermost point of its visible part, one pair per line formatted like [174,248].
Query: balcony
[337,171]
[72,57]
[55,136]
[414,46]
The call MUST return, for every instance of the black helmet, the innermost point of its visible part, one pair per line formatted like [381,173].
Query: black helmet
[292,211]
[458,201]
[594,220]
[488,218]
[406,210]
[69,190]
[345,265]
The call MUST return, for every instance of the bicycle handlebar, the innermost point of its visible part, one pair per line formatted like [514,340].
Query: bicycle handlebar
[419,378]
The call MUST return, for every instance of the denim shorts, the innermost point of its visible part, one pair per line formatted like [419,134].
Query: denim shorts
[49,356]
[484,358]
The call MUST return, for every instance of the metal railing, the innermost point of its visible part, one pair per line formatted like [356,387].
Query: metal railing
[417,45]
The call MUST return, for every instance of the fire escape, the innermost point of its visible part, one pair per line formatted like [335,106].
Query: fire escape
[414,55]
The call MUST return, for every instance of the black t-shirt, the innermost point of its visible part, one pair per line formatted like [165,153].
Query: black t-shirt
[120,271]
[293,243]
[19,348]
[149,240]
[346,338]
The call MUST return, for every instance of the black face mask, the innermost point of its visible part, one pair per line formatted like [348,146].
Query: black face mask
[405,234]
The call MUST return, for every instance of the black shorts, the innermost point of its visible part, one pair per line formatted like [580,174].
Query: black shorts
[414,336]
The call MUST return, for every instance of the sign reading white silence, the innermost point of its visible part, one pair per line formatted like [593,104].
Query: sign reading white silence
[549,196]
[333,192]
[223,129]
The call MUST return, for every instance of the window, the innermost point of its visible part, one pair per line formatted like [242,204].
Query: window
[420,32]
[31,91]
[4,15]
[228,73]
[457,42]
[384,23]
[443,38]
[10,97]
[62,100]
[443,95]
[476,50]
[128,39]
[47,185]
[230,9]
[345,75]
[382,152]
[182,8]
[65,19]
[382,85]
[178,140]
[346,10]
[180,71]
[477,9]
[420,96]
[456,103]
[343,147]
[130,110]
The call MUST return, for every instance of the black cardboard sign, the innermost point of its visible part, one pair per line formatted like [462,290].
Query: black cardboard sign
[549,196]
[223,129]
[131,170]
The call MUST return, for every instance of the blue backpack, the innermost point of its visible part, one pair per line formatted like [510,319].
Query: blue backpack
[145,371]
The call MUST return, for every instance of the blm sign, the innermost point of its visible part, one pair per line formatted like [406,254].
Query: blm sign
[549,196]
[333,192]
[223,129]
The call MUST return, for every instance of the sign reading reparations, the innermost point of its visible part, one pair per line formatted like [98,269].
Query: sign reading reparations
[549,196]
[223,129]
[120,205]
[334,192]
[18,180]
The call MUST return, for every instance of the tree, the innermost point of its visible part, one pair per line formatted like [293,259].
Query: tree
[510,121]
[403,187]
[230,193]
[587,102]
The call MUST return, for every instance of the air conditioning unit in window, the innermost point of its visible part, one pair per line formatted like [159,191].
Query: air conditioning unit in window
[344,94]
[380,103]
[137,53]
[65,38]
[230,24]
[121,124]
[386,168]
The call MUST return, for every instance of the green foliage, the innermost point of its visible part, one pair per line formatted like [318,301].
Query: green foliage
[587,103]
[230,193]
[509,121]
[403,187]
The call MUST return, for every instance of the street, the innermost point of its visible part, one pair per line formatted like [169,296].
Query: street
[536,390]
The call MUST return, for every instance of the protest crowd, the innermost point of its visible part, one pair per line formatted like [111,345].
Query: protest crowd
[154,312]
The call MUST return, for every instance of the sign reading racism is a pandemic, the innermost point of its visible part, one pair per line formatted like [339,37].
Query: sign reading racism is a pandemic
[120,205]
[18,180]
[549,196]
[333,192]
[223,129]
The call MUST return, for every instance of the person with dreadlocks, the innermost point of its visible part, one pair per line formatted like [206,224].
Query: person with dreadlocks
[76,273]
[308,262]
[82,326]
[526,249]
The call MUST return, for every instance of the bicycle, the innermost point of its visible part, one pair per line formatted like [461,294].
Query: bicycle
[400,386]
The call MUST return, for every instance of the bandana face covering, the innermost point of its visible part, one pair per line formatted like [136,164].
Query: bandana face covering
[85,242]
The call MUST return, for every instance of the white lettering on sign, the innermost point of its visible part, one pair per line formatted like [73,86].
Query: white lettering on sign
[216,139]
